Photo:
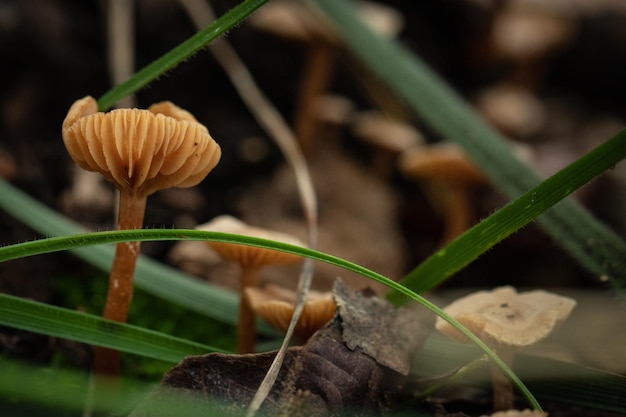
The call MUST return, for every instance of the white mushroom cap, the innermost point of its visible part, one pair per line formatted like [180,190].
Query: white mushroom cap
[140,150]
[506,317]
[249,255]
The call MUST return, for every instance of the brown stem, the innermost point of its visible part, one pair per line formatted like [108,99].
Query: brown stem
[131,212]
[502,387]
[315,80]
[246,328]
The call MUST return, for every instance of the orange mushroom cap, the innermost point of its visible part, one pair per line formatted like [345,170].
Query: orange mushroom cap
[140,150]
[250,255]
[276,306]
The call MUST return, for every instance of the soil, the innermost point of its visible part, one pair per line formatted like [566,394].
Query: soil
[55,51]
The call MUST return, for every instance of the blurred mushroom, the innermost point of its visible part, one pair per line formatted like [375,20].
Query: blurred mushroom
[298,22]
[140,152]
[525,35]
[8,166]
[88,196]
[448,178]
[512,109]
[275,305]
[251,259]
[387,136]
[507,322]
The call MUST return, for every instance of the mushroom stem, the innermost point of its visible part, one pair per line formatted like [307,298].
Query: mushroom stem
[314,82]
[502,386]
[246,328]
[131,212]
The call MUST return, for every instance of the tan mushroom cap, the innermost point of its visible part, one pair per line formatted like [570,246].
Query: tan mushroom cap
[140,150]
[386,132]
[276,305]
[442,161]
[250,255]
[506,317]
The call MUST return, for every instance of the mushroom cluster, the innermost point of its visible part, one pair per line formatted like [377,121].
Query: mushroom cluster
[140,152]
[251,259]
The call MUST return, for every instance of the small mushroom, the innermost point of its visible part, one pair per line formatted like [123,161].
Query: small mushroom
[513,110]
[275,305]
[448,177]
[140,152]
[508,322]
[388,137]
[251,259]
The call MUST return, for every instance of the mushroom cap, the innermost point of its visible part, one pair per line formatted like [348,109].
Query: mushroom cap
[276,305]
[140,150]
[506,317]
[249,256]
[442,161]
[385,132]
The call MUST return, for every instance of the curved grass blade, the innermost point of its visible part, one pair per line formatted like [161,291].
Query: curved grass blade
[180,53]
[445,112]
[64,243]
[86,328]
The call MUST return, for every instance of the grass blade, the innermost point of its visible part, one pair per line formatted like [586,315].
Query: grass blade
[86,328]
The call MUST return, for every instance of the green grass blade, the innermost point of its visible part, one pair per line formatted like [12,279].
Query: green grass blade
[63,243]
[180,53]
[86,328]
[440,107]
[522,211]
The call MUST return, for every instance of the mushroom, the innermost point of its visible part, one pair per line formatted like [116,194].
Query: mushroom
[275,305]
[508,322]
[513,110]
[448,177]
[251,259]
[387,136]
[140,152]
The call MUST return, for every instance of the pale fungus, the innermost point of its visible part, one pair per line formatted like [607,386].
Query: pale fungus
[140,152]
[388,137]
[251,259]
[507,321]
[276,305]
